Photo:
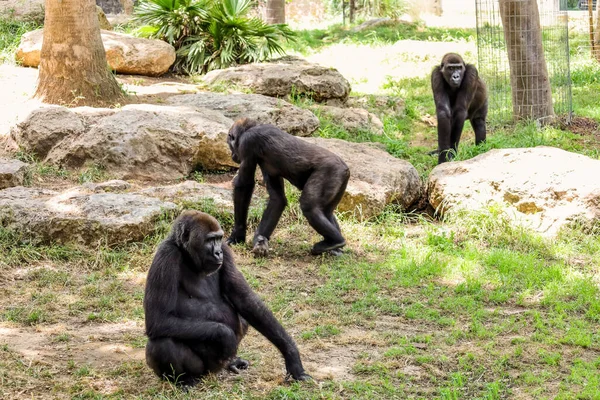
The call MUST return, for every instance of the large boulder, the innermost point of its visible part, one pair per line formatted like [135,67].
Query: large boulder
[267,110]
[284,77]
[79,215]
[138,141]
[193,192]
[211,198]
[151,142]
[353,119]
[12,172]
[543,188]
[124,53]
[102,20]
[376,178]
[22,10]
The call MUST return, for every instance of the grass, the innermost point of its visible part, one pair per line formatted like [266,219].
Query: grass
[468,308]
[10,36]
[309,41]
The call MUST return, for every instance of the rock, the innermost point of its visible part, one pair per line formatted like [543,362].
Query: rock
[193,192]
[104,24]
[291,119]
[138,141]
[22,10]
[111,6]
[151,142]
[284,77]
[124,53]
[114,185]
[542,188]
[209,198]
[380,105]
[376,178]
[79,216]
[353,119]
[12,172]
[373,23]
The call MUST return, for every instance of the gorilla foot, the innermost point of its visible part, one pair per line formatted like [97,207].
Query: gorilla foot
[237,364]
[336,252]
[261,246]
[326,246]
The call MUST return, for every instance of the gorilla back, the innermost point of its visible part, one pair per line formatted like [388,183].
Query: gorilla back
[320,174]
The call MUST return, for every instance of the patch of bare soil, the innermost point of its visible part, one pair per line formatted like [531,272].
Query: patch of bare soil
[97,345]
[583,126]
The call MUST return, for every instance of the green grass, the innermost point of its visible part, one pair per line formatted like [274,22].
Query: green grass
[466,308]
[309,41]
[10,36]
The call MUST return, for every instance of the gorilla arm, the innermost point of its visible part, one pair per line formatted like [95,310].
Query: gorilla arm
[160,303]
[443,111]
[254,311]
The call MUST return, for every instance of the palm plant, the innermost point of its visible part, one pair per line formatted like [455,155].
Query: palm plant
[211,34]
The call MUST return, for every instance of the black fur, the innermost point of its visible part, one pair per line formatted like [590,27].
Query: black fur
[197,303]
[321,175]
[459,94]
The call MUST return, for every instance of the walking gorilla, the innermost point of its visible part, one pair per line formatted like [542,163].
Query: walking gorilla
[197,303]
[321,175]
[459,94]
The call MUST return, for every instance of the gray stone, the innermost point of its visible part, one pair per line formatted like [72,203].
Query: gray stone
[209,195]
[267,110]
[353,119]
[284,77]
[79,216]
[376,178]
[152,142]
[125,54]
[542,188]
[114,185]
[12,172]
[193,192]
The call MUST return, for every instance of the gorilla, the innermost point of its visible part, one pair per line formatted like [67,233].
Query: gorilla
[198,306]
[321,176]
[459,94]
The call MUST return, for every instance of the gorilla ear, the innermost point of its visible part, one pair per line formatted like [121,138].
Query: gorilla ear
[182,233]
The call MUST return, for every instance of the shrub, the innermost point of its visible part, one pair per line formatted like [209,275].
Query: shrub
[211,34]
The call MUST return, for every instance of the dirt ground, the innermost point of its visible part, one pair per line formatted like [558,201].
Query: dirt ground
[108,346]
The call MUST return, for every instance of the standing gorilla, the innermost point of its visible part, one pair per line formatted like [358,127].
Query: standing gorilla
[197,303]
[459,94]
[321,175]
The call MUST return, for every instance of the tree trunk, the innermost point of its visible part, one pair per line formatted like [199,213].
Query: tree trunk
[275,12]
[73,68]
[531,93]
[352,5]
[597,35]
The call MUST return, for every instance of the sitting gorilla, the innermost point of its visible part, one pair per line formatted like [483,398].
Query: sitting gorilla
[197,303]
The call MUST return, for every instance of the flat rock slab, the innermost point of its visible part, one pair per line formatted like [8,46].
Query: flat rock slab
[152,142]
[12,172]
[209,198]
[125,54]
[79,215]
[284,77]
[266,110]
[542,188]
[376,178]
[353,119]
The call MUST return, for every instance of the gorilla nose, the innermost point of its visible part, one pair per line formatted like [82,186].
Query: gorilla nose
[218,254]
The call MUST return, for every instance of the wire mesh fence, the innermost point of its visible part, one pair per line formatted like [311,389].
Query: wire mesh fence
[529,87]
